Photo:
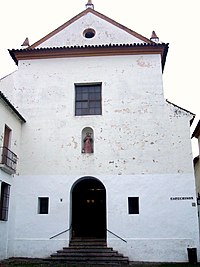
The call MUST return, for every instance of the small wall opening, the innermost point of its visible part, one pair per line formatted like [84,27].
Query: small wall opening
[43,205]
[89,33]
[133,205]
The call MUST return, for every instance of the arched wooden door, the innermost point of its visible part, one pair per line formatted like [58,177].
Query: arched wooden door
[89,209]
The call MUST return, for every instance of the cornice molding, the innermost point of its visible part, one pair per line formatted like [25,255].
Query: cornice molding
[90,51]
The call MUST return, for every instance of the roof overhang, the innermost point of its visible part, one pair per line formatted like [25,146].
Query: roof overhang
[195,160]
[183,109]
[196,132]
[91,51]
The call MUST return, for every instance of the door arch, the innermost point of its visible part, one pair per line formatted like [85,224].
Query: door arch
[89,209]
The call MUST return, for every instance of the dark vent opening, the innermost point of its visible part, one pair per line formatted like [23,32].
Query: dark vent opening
[89,33]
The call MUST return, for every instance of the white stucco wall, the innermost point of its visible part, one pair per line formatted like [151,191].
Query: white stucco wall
[162,231]
[7,227]
[105,34]
[137,129]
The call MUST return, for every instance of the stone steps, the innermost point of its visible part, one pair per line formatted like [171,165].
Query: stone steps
[82,249]
[92,252]
[88,242]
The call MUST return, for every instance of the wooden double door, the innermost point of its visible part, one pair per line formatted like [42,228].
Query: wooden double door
[89,209]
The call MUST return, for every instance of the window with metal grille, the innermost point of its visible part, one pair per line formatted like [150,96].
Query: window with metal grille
[43,205]
[88,100]
[133,205]
[4,201]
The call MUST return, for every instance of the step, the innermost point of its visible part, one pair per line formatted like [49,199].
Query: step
[89,263]
[90,259]
[87,243]
[86,254]
[103,248]
[91,251]
[88,239]
[85,249]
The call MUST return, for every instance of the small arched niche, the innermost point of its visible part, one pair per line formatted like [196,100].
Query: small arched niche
[87,137]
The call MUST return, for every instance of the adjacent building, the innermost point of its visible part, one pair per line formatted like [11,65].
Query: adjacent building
[11,123]
[196,161]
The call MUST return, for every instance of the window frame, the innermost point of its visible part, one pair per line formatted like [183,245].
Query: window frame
[6,145]
[85,104]
[4,201]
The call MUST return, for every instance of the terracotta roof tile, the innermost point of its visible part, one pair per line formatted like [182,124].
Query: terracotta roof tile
[91,46]
[89,50]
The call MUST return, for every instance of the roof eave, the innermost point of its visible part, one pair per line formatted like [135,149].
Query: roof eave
[164,56]
[195,160]
[196,132]
[92,50]
[187,111]
[13,56]
[6,101]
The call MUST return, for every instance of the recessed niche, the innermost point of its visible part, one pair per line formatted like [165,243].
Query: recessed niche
[89,33]
[87,140]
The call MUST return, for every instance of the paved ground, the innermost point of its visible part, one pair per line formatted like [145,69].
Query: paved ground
[39,263]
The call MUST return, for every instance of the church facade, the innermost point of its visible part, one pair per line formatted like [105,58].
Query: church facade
[102,153]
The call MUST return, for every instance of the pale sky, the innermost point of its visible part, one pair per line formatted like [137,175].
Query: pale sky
[176,22]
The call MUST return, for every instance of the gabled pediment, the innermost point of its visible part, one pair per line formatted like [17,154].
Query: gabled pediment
[90,34]
[78,32]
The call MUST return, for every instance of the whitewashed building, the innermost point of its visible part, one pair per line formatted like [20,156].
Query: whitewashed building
[10,136]
[102,154]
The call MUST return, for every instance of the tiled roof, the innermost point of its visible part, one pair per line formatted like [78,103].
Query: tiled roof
[6,101]
[93,46]
[90,50]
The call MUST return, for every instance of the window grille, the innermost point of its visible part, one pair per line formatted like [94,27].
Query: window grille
[88,100]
